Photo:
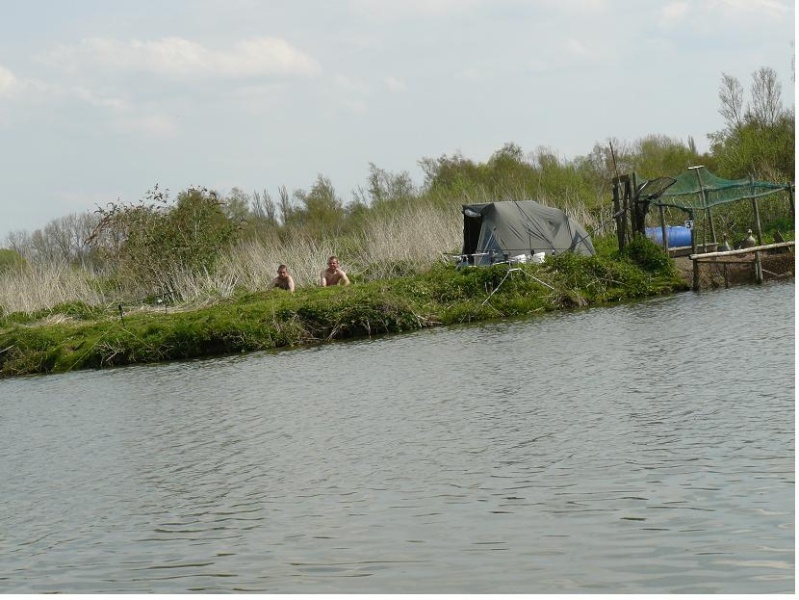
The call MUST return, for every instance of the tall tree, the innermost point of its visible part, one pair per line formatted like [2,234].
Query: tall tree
[766,105]
[731,96]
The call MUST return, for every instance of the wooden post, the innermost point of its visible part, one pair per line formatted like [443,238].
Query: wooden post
[695,286]
[625,206]
[663,230]
[703,195]
[617,212]
[633,205]
[758,268]
[712,228]
[757,219]
[693,251]
[790,198]
[758,262]
[696,258]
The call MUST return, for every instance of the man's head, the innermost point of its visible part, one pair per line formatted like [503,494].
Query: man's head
[332,263]
[282,271]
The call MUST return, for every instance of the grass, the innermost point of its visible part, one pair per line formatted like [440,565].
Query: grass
[76,335]
[406,242]
[58,318]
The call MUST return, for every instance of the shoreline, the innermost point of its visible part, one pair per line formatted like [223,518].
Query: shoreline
[247,322]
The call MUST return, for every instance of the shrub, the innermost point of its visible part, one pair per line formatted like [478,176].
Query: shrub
[648,255]
[152,241]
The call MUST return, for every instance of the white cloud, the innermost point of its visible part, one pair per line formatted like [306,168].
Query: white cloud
[148,126]
[352,93]
[713,18]
[675,11]
[392,10]
[577,49]
[8,82]
[98,100]
[578,7]
[178,56]
[352,85]
[395,85]
[572,53]
[770,8]
[697,13]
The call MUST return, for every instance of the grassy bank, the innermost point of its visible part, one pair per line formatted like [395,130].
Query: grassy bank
[76,335]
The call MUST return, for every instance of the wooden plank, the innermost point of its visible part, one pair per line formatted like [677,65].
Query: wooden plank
[752,250]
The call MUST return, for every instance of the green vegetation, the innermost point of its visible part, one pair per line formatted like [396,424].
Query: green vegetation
[191,272]
[76,336]
[759,137]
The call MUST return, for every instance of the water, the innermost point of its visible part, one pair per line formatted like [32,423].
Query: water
[643,448]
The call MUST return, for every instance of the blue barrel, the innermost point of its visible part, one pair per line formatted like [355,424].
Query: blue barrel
[676,235]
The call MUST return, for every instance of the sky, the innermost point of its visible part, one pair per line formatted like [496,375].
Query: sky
[100,101]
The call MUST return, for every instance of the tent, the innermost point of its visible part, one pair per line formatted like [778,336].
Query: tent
[504,231]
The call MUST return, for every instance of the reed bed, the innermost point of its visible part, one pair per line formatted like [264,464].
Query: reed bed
[37,286]
[409,240]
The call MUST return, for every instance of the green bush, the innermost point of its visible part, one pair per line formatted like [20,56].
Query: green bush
[648,255]
[78,310]
[151,242]
[9,259]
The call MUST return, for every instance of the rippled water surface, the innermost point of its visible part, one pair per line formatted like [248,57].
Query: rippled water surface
[642,448]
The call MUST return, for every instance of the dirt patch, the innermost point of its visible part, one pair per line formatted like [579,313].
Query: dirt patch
[737,270]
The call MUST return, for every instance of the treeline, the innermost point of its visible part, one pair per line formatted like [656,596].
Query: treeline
[140,243]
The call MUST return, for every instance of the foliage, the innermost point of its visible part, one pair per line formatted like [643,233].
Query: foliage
[658,155]
[764,151]
[392,228]
[648,255]
[95,338]
[10,259]
[151,241]
[758,140]
[321,212]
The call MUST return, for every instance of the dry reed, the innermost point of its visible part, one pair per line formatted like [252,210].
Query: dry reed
[34,287]
[417,236]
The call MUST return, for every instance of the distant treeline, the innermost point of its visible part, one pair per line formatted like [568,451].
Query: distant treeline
[138,243]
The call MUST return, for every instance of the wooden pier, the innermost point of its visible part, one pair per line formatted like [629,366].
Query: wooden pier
[753,256]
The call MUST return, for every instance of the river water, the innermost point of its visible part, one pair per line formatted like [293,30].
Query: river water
[645,447]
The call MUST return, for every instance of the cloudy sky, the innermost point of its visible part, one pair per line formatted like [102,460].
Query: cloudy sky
[101,100]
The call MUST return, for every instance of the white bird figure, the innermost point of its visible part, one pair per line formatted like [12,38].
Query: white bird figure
[749,242]
[725,245]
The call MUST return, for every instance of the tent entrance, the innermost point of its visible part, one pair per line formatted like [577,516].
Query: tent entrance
[472,225]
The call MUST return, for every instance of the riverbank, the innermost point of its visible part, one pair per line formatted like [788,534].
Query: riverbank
[76,336]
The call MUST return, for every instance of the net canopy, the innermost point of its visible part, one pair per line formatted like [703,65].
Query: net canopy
[697,188]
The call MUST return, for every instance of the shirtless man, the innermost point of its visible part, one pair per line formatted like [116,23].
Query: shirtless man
[333,275]
[284,281]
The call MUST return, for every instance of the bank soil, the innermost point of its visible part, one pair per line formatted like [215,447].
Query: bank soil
[737,270]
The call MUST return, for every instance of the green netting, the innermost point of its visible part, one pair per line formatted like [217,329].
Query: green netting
[698,188]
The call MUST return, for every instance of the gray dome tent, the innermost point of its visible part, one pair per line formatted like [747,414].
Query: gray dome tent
[500,231]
